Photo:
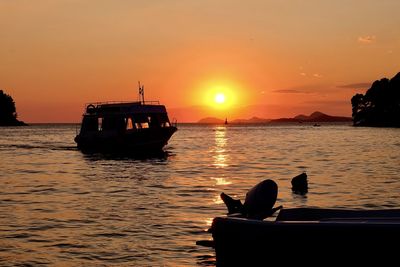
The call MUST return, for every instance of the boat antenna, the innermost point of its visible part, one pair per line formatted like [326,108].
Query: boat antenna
[141,93]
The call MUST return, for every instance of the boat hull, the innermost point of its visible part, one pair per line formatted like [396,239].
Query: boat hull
[244,242]
[137,142]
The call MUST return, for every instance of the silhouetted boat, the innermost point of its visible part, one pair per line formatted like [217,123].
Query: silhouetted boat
[308,236]
[135,127]
[226,121]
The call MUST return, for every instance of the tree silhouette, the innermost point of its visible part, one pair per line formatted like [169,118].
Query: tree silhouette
[380,106]
[8,113]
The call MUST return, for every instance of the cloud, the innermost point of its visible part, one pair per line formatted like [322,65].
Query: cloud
[315,75]
[367,39]
[355,86]
[328,102]
[288,91]
[309,89]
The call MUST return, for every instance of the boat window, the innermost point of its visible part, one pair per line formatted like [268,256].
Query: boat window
[100,124]
[129,124]
[162,119]
[113,123]
[120,124]
[140,118]
[154,121]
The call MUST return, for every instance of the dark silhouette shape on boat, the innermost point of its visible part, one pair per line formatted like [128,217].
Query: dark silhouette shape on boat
[300,184]
[259,202]
[8,112]
[380,106]
[233,205]
[141,127]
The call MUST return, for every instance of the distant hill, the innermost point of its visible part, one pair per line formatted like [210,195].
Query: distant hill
[301,117]
[211,120]
[314,117]
[252,120]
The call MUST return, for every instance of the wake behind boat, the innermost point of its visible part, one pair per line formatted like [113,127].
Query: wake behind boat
[136,127]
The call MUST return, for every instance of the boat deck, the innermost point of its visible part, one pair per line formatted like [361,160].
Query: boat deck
[309,236]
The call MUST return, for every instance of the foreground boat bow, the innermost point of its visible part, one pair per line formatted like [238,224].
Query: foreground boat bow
[316,236]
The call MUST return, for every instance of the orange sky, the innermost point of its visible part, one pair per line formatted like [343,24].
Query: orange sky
[272,58]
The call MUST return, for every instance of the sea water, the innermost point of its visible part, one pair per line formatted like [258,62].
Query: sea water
[60,207]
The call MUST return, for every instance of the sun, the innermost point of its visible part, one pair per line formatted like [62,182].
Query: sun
[219,98]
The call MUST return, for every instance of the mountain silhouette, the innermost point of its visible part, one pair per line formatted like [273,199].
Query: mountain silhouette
[316,116]
[301,117]
[251,120]
[211,120]
[313,117]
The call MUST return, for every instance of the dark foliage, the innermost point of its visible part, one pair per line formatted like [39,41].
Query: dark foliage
[8,113]
[380,106]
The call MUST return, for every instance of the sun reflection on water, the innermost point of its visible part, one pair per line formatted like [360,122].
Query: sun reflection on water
[217,200]
[208,222]
[221,181]
[220,154]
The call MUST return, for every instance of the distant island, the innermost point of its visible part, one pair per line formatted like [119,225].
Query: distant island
[314,117]
[211,120]
[380,106]
[251,120]
[8,112]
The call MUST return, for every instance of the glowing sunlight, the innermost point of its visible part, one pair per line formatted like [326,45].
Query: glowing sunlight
[219,98]
[221,95]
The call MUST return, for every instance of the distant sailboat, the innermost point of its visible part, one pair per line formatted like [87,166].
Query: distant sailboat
[226,121]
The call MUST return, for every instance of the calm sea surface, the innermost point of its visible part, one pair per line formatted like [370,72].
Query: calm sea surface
[59,207]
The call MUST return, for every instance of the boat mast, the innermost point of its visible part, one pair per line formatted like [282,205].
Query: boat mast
[141,93]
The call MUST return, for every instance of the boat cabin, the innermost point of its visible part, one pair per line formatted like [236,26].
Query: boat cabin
[137,127]
[131,116]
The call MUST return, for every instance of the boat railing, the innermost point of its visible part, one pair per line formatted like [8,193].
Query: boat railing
[153,102]
[174,122]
